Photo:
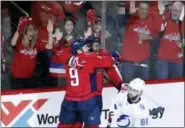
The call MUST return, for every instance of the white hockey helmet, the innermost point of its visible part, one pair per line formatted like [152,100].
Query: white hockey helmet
[137,84]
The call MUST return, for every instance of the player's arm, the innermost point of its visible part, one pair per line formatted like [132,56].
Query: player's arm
[114,76]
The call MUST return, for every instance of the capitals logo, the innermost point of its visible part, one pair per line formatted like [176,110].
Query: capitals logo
[19,114]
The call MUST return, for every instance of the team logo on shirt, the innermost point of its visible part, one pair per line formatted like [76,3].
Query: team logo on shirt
[172,36]
[142,30]
[141,106]
[30,52]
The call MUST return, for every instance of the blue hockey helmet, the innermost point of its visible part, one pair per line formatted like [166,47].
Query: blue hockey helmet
[76,45]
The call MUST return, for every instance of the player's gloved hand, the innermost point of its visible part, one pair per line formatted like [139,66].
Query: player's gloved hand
[115,55]
[21,24]
[155,111]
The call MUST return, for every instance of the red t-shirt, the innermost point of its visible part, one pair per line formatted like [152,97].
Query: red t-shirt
[168,49]
[132,50]
[44,10]
[24,60]
[71,8]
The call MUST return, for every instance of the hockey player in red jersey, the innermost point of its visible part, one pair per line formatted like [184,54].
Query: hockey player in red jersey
[79,103]
[98,75]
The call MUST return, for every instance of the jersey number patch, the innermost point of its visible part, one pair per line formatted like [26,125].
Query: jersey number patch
[74,77]
[144,122]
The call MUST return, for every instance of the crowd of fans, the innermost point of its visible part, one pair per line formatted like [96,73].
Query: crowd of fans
[145,39]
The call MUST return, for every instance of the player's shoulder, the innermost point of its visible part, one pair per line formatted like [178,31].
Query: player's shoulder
[91,54]
[121,97]
[104,52]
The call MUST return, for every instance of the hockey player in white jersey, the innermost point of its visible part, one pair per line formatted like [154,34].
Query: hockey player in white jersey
[129,108]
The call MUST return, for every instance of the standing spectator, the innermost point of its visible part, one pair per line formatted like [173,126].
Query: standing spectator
[26,45]
[159,14]
[136,46]
[94,28]
[72,8]
[61,52]
[97,30]
[124,10]
[170,53]
[69,30]
[41,12]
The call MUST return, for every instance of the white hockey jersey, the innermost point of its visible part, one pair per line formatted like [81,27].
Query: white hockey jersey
[128,114]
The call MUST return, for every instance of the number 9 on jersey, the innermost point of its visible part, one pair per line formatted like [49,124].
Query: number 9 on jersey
[74,77]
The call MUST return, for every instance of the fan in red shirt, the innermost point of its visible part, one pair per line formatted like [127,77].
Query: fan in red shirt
[170,53]
[61,52]
[59,58]
[26,45]
[69,33]
[136,46]
[79,102]
[42,11]
[72,8]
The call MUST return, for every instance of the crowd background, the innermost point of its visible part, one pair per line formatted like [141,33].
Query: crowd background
[112,26]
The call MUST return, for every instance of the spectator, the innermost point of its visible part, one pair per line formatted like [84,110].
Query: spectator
[136,46]
[125,9]
[75,9]
[61,52]
[72,8]
[41,12]
[159,11]
[26,45]
[170,53]
[94,29]
[69,30]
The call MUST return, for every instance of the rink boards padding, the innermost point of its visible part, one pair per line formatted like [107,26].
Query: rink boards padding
[40,107]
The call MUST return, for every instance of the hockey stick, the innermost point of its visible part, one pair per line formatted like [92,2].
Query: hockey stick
[155,111]
[132,63]
[136,64]
[151,99]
